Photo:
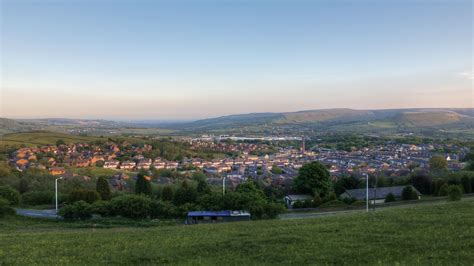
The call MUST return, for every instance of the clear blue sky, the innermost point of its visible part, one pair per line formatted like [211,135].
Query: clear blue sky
[194,59]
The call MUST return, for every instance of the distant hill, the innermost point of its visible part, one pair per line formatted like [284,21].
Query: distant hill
[339,119]
[459,121]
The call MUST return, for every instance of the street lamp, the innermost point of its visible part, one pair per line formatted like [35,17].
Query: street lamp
[56,187]
[223,186]
[367,190]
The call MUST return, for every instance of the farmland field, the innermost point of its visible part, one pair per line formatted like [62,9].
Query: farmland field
[441,233]
[35,138]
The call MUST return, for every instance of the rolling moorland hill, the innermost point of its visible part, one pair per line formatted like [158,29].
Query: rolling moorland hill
[457,122]
[330,118]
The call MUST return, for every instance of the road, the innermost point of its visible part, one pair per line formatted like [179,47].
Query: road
[50,214]
[382,207]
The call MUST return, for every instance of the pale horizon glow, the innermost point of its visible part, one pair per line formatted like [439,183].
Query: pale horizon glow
[168,60]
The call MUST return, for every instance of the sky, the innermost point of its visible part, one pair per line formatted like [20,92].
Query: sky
[196,59]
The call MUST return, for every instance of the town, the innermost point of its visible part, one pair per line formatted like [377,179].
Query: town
[276,166]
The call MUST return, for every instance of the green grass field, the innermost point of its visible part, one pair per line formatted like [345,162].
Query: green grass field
[42,138]
[440,233]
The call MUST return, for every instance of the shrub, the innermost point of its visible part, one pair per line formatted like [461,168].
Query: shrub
[167,193]
[102,208]
[454,193]
[472,183]
[163,210]
[38,197]
[5,208]
[317,201]
[143,185]
[358,203]
[422,182]
[272,209]
[466,183]
[184,194]
[10,194]
[182,211]
[408,193]
[132,206]
[89,196]
[79,210]
[348,200]
[330,197]
[333,204]
[390,198]
[443,190]
[298,204]
[103,188]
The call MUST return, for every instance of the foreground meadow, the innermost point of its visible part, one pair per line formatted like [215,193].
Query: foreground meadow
[441,233]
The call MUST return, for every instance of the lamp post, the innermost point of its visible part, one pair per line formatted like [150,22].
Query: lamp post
[367,191]
[56,188]
[223,186]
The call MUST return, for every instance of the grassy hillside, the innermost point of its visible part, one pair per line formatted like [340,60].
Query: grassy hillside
[428,118]
[347,120]
[436,234]
[36,138]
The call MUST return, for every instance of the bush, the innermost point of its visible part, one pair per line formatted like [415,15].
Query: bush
[37,198]
[5,208]
[102,208]
[390,198]
[89,196]
[466,183]
[348,200]
[272,209]
[454,193]
[79,210]
[10,194]
[443,190]
[132,206]
[330,197]
[102,187]
[408,193]
[163,210]
[358,203]
[333,204]
[317,201]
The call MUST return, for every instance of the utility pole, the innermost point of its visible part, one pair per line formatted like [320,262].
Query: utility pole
[56,190]
[367,191]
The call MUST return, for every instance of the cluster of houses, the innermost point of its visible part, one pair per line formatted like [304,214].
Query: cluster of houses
[390,159]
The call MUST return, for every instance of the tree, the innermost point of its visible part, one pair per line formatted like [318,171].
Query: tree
[89,196]
[344,183]
[466,183]
[390,198]
[454,193]
[443,190]
[313,178]
[103,188]
[142,185]
[408,193]
[422,182]
[167,193]
[23,185]
[10,194]
[202,187]
[60,142]
[438,163]
[276,170]
[184,194]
